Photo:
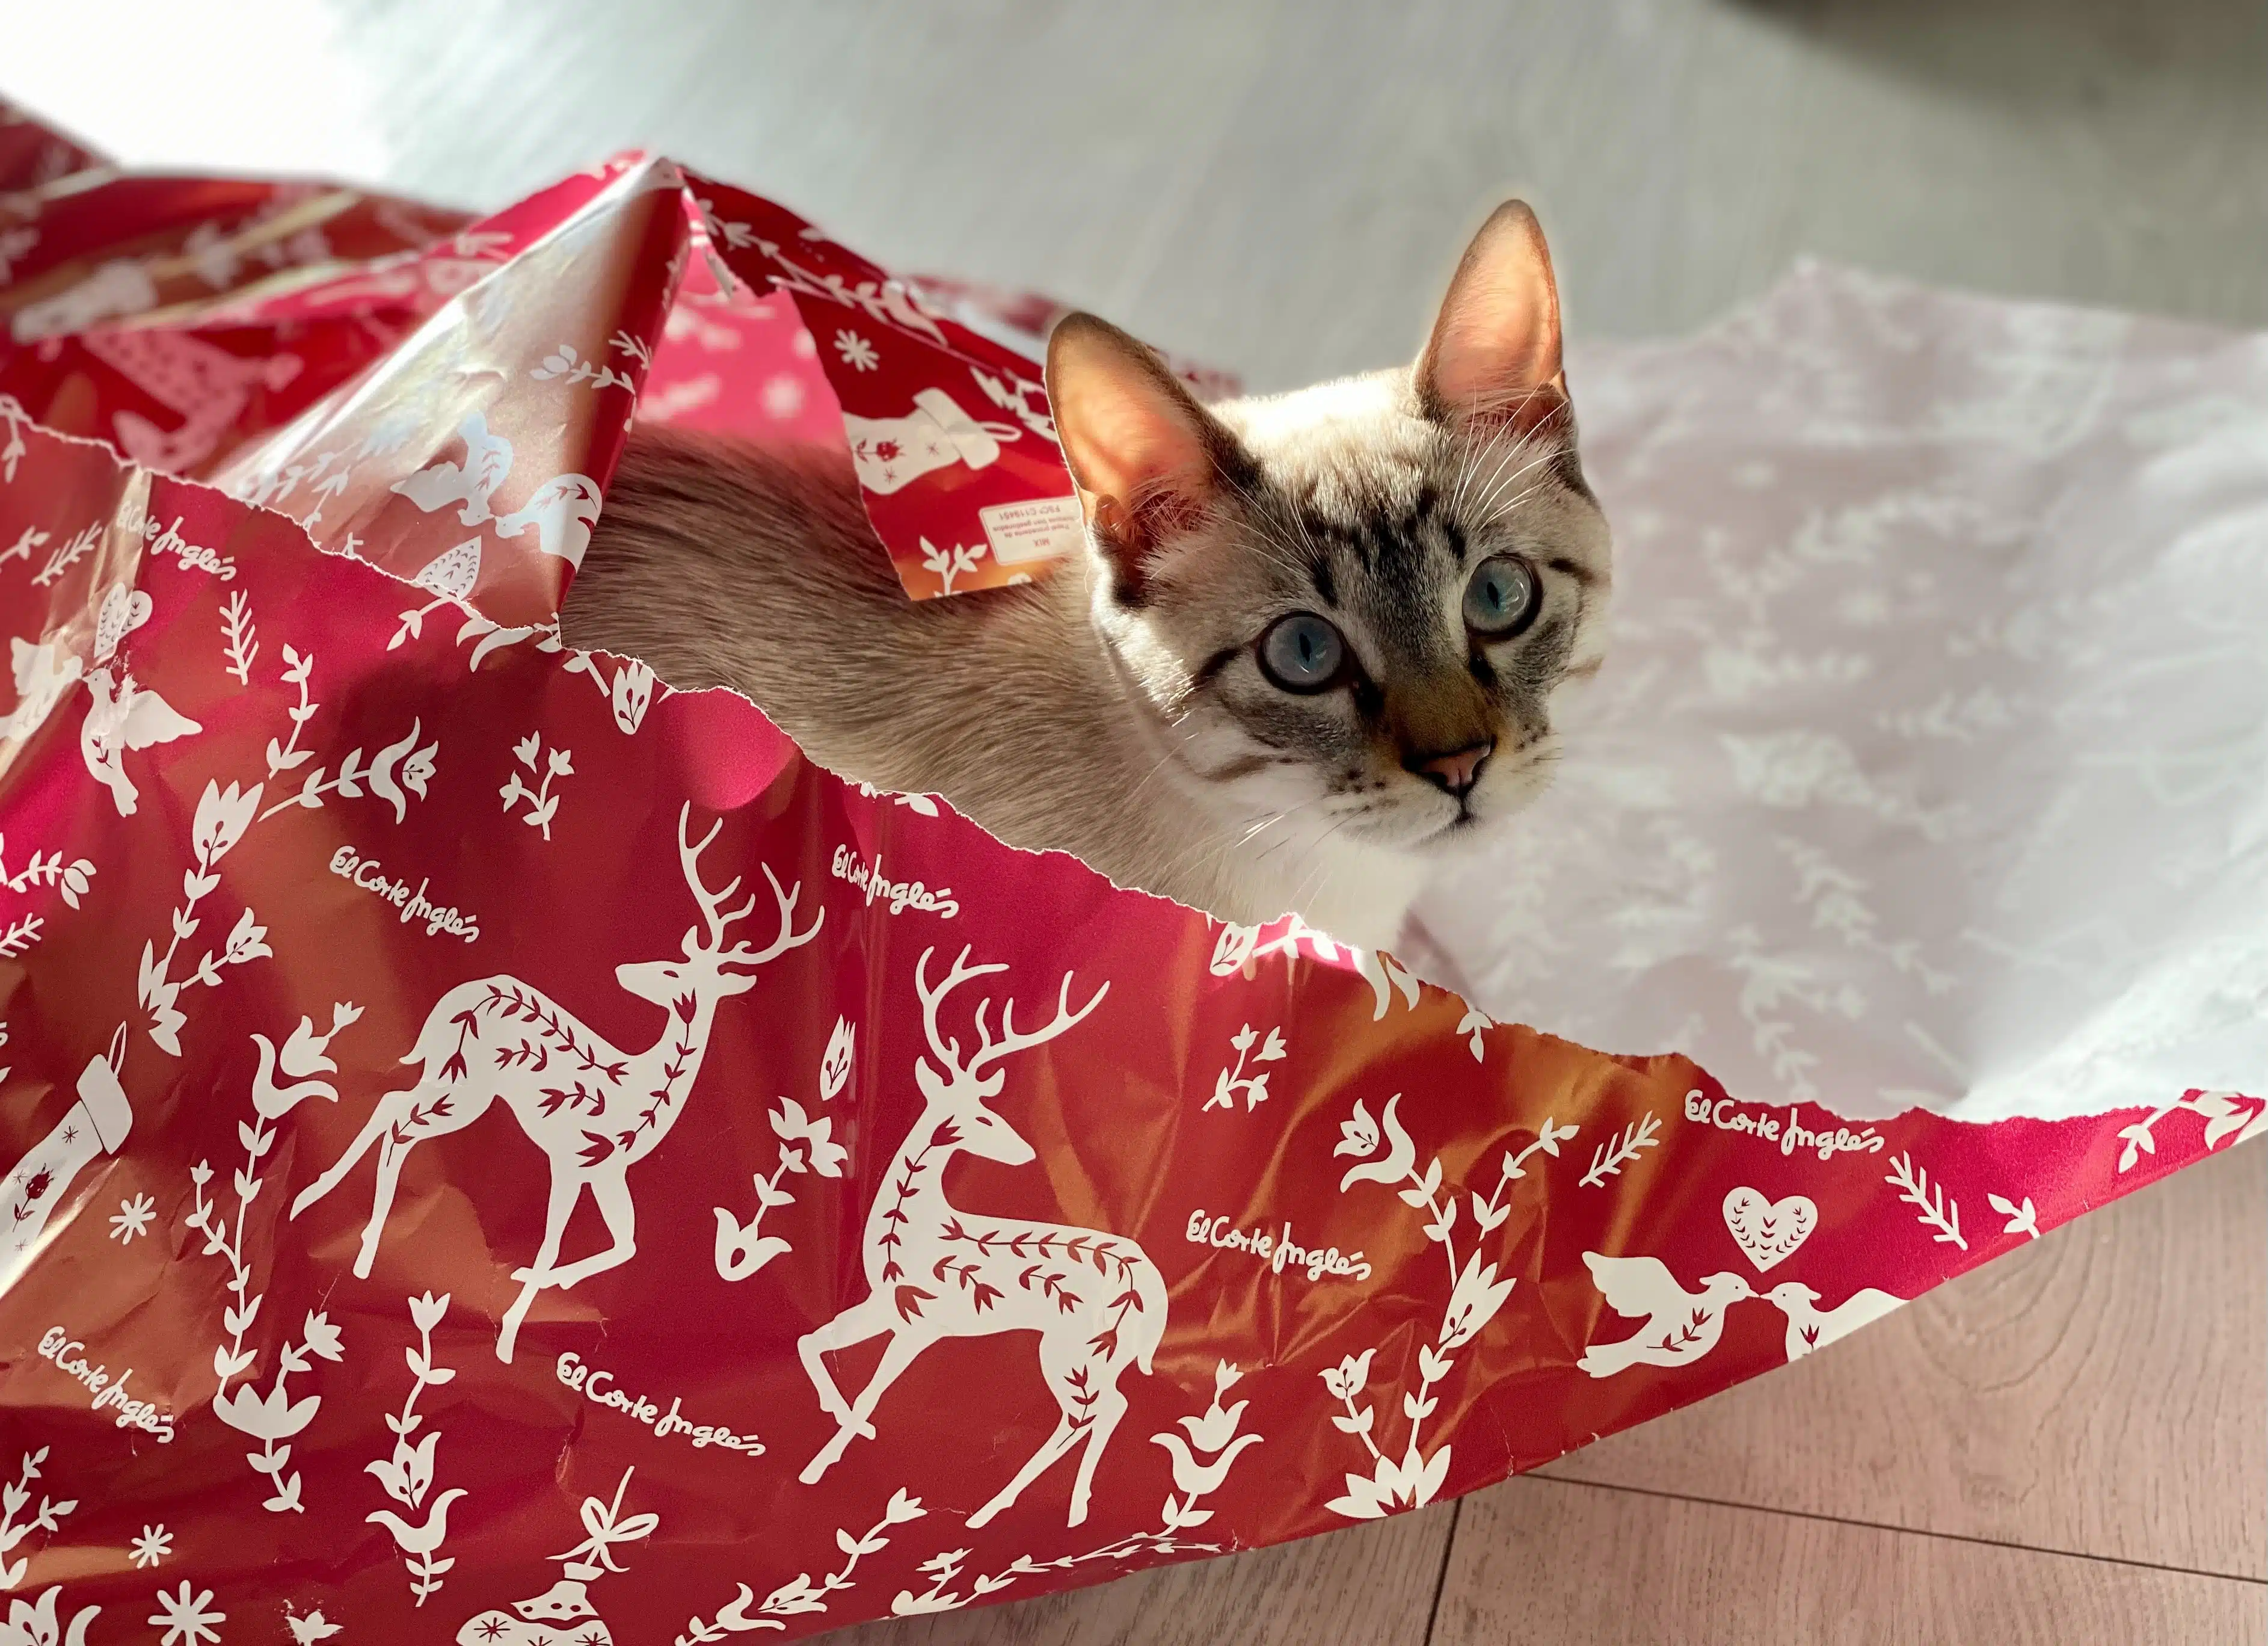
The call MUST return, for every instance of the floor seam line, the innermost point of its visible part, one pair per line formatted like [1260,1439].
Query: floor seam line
[1916,1531]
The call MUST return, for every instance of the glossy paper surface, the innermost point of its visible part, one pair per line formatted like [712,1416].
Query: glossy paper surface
[500,1151]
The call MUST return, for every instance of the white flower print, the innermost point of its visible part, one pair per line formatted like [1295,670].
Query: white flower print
[1477,1294]
[132,1218]
[153,1546]
[38,1623]
[185,1620]
[857,352]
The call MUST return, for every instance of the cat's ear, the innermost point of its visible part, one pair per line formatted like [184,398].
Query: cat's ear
[1147,456]
[1494,352]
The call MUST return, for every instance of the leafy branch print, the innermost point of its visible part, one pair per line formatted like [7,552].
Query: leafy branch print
[623,343]
[1475,1025]
[416,771]
[70,879]
[275,1417]
[240,636]
[542,804]
[1232,1082]
[2022,1220]
[2226,1116]
[15,1497]
[948,564]
[81,544]
[1475,1296]
[807,1145]
[562,361]
[16,419]
[223,815]
[394,775]
[800,1595]
[408,1475]
[1934,1208]
[1609,1158]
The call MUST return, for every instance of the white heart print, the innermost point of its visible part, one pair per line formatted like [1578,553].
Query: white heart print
[1770,1230]
[123,611]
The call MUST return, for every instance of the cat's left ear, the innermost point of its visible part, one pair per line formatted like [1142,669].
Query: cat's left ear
[1494,352]
[1147,458]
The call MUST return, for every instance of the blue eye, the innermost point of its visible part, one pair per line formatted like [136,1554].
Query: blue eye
[1302,652]
[1501,597]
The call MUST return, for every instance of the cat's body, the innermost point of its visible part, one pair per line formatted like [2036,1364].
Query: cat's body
[1290,675]
[1005,703]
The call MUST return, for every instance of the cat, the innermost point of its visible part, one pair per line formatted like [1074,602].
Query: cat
[1308,655]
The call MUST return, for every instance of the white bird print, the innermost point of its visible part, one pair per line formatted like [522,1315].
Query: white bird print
[562,511]
[1810,1328]
[419,1539]
[122,718]
[1680,1325]
[43,674]
[487,461]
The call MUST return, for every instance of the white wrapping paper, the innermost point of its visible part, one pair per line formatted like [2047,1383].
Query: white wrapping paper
[1930,765]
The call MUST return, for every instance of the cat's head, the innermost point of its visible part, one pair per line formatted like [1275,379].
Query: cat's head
[1347,608]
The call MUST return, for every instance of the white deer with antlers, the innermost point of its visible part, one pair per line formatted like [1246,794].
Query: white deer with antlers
[594,1110]
[933,1272]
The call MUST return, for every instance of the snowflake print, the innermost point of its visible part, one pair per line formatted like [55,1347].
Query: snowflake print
[857,352]
[153,1546]
[783,397]
[133,1218]
[185,1620]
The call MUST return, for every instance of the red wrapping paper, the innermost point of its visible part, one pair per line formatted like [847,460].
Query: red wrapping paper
[503,1151]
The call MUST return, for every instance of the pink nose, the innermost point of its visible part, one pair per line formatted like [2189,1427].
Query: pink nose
[1453,774]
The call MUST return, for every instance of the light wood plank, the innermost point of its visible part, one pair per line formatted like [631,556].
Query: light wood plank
[1550,1560]
[1281,187]
[2104,1390]
[1371,1585]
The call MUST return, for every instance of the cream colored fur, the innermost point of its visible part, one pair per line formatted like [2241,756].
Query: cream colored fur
[1117,709]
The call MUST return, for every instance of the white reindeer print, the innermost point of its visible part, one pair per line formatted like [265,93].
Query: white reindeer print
[933,1272]
[594,1110]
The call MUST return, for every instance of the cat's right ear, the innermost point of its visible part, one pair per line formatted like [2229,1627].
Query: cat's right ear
[1147,458]
[1493,356]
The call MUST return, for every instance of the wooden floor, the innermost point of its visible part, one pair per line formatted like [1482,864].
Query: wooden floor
[2068,1447]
